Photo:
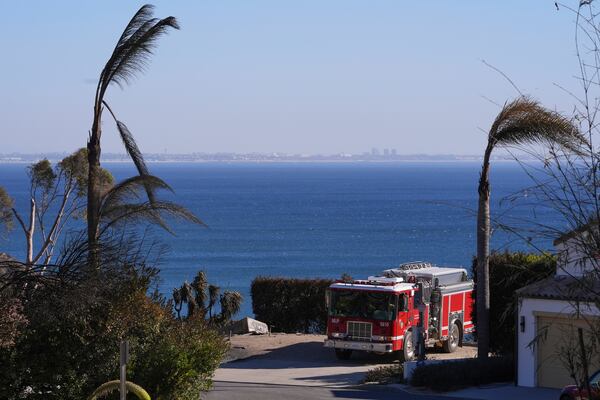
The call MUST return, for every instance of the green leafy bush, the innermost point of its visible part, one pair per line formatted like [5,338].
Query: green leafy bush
[76,318]
[509,272]
[170,358]
[458,374]
[291,305]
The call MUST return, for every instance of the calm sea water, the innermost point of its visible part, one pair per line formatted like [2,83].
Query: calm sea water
[312,220]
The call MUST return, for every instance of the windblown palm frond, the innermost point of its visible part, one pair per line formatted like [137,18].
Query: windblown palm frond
[140,18]
[150,212]
[131,189]
[107,388]
[134,153]
[121,204]
[133,49]
[525,121]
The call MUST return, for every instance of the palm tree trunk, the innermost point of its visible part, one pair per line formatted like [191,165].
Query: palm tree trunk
[93,205]
[483,254]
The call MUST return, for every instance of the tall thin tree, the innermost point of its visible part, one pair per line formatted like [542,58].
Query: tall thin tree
[521,121]
[129,57]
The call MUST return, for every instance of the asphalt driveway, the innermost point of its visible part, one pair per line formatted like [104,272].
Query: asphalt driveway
[300,371]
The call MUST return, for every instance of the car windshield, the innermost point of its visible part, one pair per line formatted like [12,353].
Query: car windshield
[363,304]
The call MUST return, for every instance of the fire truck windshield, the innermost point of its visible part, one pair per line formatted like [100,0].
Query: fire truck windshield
[363,304]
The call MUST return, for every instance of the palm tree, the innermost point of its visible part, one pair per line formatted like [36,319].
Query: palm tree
[521,121]
[177,299]
[187,296]
[231,302]
[200,285]
[130,55]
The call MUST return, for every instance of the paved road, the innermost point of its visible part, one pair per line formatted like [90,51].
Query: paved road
[302,371]
[258,391]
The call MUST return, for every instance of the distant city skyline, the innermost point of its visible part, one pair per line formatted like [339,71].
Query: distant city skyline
[373,155]
[307,77]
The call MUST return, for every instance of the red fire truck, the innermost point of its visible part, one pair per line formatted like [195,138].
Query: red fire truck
[387,313]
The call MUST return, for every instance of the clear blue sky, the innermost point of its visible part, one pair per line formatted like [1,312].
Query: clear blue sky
[293,76]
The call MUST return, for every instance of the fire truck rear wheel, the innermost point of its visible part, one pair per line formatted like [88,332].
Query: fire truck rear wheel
[343,354]
[451,344]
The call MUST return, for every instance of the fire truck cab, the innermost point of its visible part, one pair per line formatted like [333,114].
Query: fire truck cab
[388,313]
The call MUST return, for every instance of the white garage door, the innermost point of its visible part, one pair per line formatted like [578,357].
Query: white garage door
[558,345]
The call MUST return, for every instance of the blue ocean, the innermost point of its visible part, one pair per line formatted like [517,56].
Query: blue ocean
[313,219]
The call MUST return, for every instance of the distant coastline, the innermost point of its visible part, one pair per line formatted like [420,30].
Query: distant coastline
[21,158]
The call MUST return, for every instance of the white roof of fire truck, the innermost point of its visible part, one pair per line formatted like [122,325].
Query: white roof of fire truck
[401,278]
[373,286]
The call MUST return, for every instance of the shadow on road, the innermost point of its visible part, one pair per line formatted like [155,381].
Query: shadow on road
[308,355]
[241,391]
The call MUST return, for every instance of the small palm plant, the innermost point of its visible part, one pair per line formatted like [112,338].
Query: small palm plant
[200,303]
[200,284]
[521,121]
[231,302]
[185,295]
[113,386]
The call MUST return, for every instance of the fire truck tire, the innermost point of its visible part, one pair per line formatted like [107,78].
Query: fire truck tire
[451,344]
[408,348]
[342,354]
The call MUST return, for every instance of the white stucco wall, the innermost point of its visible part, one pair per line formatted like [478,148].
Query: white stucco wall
[530,309]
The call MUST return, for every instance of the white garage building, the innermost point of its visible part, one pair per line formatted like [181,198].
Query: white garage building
[550,311]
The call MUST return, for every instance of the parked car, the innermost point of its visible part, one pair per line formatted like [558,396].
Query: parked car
[572,392]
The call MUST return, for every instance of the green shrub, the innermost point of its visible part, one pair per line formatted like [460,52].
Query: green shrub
[458,374]
[170,358]
[291,305]
[75,322]
[509,272]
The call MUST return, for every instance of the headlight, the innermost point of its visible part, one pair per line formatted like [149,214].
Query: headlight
[382,338]
[337,335]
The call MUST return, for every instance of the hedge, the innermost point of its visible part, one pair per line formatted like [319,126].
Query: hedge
[454,375]
[509,272]
[291,305]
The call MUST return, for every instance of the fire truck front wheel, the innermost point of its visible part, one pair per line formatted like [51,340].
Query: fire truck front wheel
[408,348]
[343,354]
[451,344]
